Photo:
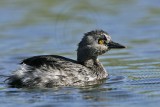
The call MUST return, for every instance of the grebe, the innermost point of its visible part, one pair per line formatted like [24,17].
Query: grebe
[53,70]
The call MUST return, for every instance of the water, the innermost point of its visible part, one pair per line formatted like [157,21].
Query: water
[37,27]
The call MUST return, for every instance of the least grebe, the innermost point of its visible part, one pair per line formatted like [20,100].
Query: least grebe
[54,70]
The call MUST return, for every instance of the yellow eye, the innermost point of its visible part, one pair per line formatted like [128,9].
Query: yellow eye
[101,42]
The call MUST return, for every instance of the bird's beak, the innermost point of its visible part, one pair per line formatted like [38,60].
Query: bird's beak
[114,45]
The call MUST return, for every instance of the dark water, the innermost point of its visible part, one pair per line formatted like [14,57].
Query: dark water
[34,27]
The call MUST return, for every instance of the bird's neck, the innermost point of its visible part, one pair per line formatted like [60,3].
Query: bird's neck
[89,62]
[95,66]
[85,57]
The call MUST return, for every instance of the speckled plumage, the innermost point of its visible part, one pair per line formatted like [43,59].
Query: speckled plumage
[52,70]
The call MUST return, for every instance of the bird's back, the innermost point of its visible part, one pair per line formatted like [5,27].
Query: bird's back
[50,60]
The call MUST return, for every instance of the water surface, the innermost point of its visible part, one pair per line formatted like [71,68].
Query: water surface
[37,27]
